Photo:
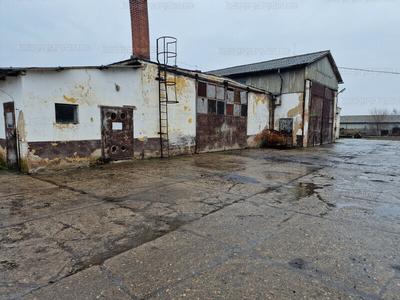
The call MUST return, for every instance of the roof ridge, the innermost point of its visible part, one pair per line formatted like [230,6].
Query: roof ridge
[268,61]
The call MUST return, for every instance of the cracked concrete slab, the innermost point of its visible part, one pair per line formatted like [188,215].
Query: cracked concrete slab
[322,222]
[89,284]
[173,257]
[341,253]
[245,277]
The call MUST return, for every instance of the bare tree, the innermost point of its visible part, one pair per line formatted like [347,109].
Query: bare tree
[395,112]
[378,117]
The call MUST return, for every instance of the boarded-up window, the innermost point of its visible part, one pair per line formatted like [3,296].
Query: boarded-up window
[66,113]
[237,111]
[286,126]
[243,97]
[229,109]
[202,106]
[202,89]
[211,91]
[220,93]
[231,96]
[237,96]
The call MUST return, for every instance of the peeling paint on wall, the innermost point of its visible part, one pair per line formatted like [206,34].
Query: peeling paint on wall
[62,155]
[3,152]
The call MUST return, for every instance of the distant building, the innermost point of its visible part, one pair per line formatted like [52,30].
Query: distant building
[304,92]
[367,126]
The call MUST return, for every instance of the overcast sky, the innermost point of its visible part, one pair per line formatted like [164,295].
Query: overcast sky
[216,34]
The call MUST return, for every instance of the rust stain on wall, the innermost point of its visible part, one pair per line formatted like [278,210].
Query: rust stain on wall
[61,155]
[72,99]
[257,102]
[297,110]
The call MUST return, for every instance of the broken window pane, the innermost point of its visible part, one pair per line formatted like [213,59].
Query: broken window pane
[244,111]
[66,113]
[212,107]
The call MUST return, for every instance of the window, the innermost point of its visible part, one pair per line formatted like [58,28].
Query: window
[212,107]
[220,108]
[286,126]
[66,113]
[9,120]
[202,89]
[244,111]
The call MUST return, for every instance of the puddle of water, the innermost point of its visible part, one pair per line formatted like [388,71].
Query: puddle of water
[215,166]
[369,178]
[345,205]
[299,190]
[383,210]
[240,178]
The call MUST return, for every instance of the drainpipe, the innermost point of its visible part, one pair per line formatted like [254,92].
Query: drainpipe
[280,92]
[273,104]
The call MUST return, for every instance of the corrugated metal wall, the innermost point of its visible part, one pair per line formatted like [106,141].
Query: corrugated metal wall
[321,71]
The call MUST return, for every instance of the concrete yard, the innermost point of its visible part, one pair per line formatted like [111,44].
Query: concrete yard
[316,223]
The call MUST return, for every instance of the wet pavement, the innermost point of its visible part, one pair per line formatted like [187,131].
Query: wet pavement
[321,223]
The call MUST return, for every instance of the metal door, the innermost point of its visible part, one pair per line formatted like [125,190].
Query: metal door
[117,132]
[11,135]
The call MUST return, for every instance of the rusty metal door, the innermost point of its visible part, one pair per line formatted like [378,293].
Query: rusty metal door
[11,135]
[327,117]
[321,115]
[117,132]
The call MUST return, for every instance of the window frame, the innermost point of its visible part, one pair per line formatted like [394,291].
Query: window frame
[59,120]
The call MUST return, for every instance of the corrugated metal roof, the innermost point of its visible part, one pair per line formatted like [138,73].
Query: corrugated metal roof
[282,63]
[367,119]
[134,63]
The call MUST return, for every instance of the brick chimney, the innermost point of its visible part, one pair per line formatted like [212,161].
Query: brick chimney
[140,28]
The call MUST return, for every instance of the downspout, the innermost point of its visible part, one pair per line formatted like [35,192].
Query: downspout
[304,109]
[280,92]
[273,104]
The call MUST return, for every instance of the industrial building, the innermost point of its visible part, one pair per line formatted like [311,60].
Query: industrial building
[63,117]
[304,92]
[367,126]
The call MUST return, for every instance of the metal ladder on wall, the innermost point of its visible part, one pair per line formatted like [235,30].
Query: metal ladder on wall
[166,58]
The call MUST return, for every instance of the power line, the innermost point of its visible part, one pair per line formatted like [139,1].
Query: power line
[371,71]
[193,66]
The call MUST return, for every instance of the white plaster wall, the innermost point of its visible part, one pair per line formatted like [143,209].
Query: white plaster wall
[182,116]
[258,113]
[307,99]
[10,91]
[337,122]
[336,115]
[292,107]
[90,88]
[87,88]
